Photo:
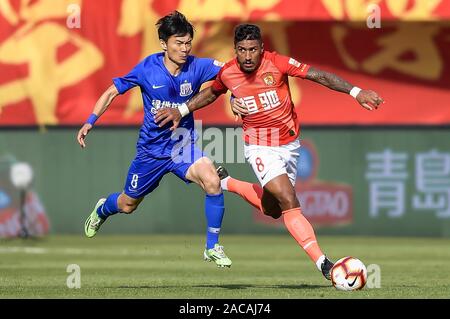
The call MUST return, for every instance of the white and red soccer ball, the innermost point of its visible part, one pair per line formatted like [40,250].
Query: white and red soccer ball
[349,274]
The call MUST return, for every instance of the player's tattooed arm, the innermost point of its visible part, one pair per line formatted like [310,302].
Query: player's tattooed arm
[200,100]
[329,80]
[368,99]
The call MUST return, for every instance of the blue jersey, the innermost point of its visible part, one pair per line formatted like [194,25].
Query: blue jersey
[160,89]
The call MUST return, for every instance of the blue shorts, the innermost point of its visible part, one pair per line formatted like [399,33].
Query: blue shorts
[146,172]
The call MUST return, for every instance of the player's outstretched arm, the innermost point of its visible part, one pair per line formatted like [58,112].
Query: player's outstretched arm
[368,99]
[102,104]
[200,100]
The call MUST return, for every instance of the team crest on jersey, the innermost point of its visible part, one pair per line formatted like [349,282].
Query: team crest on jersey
[269,79]
[185,89]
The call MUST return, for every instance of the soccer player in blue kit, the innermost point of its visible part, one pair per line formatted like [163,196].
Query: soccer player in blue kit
[166,79]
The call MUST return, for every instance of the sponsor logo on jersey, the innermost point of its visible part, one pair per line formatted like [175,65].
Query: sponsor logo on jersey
[218,63]
[158,104]
[269,79]
[268,100]
[185,89]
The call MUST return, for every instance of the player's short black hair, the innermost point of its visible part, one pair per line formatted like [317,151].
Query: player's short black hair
[175,23]
[247,32]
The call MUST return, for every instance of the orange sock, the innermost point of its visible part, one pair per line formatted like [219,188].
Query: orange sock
[302,231]
[252,193]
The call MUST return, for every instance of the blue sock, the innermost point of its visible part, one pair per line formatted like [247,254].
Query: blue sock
[214,209]
[109,207]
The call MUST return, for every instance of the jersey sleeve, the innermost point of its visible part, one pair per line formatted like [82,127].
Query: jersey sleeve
[218,85]
[290,66]
[208,68]
[129,81]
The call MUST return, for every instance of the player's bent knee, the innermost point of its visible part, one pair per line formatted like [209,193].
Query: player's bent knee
[288,201]
[273,214]
[271,206]
[128,205]
[276,215]
[212,184]
[128,209]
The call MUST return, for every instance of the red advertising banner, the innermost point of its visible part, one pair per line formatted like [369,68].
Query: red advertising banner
[57,56]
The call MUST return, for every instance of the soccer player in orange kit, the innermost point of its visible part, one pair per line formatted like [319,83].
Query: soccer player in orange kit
[259,82]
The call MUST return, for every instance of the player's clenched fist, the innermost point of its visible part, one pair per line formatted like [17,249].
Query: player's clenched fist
[166,115]
[84,130]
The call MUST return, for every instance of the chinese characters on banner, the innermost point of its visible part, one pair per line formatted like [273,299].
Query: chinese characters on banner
[387,175]
[52,73]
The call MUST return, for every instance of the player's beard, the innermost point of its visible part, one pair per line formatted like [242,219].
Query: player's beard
[249,68]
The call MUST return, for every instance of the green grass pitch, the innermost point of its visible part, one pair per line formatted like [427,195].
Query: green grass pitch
[264,266]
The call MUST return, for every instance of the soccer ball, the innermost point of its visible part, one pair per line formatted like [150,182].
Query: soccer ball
[348,274]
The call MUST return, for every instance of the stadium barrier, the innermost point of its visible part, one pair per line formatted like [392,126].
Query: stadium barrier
[352,181]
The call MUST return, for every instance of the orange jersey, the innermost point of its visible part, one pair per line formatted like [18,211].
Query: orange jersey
[272,119]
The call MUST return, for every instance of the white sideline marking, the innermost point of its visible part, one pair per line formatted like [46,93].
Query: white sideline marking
[76,251]
[26,250]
